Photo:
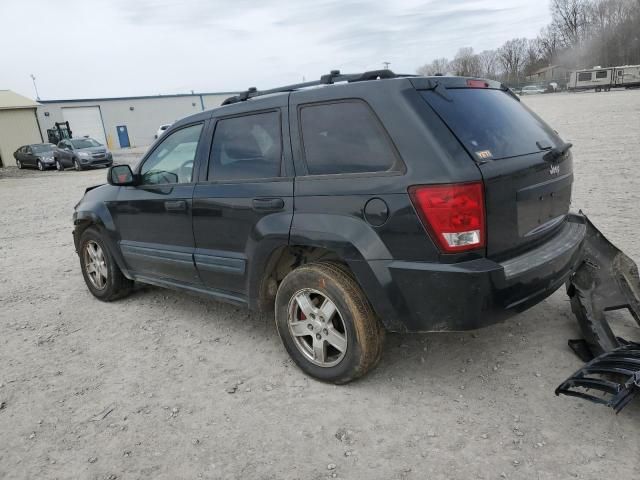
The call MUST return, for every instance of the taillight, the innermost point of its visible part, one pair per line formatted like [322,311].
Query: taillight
[453,214]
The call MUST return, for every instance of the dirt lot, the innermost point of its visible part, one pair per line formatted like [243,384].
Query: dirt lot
[139,388]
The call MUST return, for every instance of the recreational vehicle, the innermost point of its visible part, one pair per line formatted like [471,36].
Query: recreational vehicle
[605,78]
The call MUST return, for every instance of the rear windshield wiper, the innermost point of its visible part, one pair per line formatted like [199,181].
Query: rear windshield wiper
[554,153]
[507,90]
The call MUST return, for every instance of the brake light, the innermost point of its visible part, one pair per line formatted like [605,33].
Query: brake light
[453,214]
[477,84]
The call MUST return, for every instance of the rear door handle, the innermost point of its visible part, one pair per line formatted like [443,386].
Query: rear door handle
[175,205]
[268,204]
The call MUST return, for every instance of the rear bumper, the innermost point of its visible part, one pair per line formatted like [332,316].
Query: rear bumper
[417,296]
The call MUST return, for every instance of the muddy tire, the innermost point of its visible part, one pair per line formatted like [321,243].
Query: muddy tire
[102,275]
[327,324]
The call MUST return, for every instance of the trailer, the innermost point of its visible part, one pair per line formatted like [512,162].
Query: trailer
[604,79]
[627,76]
[596,77]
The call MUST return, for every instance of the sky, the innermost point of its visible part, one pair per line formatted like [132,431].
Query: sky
[104,48]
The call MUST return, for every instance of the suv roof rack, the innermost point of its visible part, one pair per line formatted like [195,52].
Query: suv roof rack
[333,77]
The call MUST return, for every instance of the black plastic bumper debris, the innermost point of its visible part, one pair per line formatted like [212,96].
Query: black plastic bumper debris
[606,280]
[612,378]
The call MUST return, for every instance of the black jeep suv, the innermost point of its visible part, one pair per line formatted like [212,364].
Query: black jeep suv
[350,206]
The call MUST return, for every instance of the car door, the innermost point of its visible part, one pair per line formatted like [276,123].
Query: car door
[65,153]
[154,218]
[243,208]
[28,157]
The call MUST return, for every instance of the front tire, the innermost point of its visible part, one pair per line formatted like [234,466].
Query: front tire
[19,164]
[40,166]
[76,165]
[102,275]
[327,324]
[59,166]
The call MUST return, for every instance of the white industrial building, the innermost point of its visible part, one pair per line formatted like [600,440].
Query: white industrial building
[125,121]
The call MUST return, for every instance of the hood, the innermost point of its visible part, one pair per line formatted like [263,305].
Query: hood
[100,149]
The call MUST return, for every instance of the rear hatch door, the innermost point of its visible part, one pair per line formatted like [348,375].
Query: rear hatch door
[527,169]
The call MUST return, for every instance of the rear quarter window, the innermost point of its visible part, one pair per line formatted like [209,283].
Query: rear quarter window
[344,137]
[490,123]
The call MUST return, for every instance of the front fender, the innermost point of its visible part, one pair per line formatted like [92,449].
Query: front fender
[100,218]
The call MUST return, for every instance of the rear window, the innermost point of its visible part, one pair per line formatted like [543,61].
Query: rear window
[344,137]
[490,123]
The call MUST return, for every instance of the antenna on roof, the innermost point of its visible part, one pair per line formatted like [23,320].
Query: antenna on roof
[33,78]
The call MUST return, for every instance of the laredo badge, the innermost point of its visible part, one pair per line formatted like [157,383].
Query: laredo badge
[484,154]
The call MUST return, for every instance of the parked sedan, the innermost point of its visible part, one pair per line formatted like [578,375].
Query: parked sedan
[38,155]
[81,153]
[532,90]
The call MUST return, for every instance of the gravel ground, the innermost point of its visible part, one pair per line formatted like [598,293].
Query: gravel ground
[164,385]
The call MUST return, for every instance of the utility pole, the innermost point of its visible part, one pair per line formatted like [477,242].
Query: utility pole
[33,78]
[386,65]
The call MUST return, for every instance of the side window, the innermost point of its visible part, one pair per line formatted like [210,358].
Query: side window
[172,160]
[344,137]
[246,147]
[584,77]
[601,74]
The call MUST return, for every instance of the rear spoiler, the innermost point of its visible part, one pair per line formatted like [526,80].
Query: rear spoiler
[443,83]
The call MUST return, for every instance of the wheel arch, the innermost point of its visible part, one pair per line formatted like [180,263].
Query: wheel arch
[286,258]
[101,221]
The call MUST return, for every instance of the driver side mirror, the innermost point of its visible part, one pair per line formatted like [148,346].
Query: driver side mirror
[121,175]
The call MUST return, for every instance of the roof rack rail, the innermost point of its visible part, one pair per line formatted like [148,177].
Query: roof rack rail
[332,77]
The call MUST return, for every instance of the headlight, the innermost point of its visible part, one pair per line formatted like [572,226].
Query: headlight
[84,154]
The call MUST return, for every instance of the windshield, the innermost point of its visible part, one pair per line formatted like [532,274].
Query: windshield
[490,123]
[84,143]
[45,147]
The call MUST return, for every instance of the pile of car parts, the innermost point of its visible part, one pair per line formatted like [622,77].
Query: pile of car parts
[606,280]
[615,375]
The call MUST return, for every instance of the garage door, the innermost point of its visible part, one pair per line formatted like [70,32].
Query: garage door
[85,121]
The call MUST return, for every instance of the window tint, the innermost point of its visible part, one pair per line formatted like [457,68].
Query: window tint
[490,123]
[584,77]
[344,137]
[246,147]
[172,160]
[601,74]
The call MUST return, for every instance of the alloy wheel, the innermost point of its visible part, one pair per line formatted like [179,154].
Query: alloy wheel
[40,166]
[95,265]
[317,327]
[76,165]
